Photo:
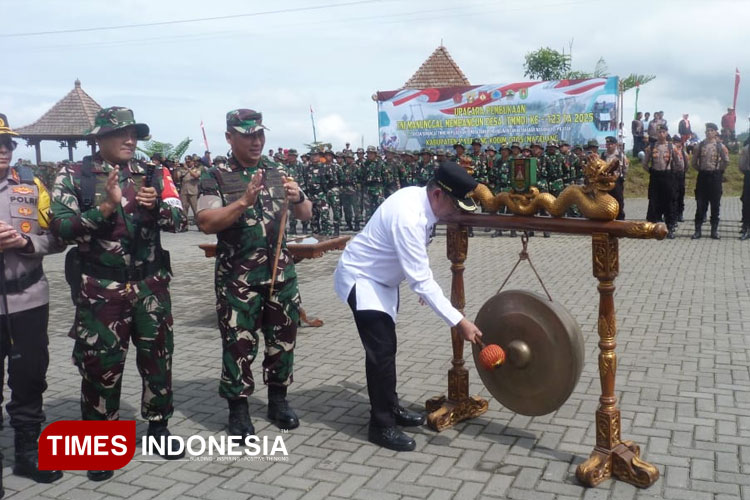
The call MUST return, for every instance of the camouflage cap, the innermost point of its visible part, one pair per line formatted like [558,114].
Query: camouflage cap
[4,127]
[551,144]
[348,154]
[515,145]
[372,149]
[536,145]
[506,146]
[245,121]
[114,118]
[564,143]
[458,145]
[220,159]
[711,126]
[491,148]
[476,140]
[425,151]
[577,146]
[610,139]
[440,152]
[360,150]
[291,152]
[593,143]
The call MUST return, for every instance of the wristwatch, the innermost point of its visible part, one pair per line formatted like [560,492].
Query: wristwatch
[301,198]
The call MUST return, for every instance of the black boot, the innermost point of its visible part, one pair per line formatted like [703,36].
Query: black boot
[546,234]
[745,232]
[670,232]
[279,411]
[305,227]
[513,233]
[27,459]
[697,234]
[336,228]
[715,230]
[2,491]
[471,232]
[497,233]
[356,226]
[239,419]
[160,432]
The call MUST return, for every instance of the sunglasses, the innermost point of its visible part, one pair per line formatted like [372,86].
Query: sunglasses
[8,143]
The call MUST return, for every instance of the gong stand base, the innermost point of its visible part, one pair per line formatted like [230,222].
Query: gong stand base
[445,413]
[623,462]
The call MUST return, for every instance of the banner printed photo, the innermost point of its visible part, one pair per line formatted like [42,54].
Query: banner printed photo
[571,110]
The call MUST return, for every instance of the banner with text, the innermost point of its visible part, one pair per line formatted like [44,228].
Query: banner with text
[571,110]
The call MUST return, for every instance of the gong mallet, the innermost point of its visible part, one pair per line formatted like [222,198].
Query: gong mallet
[491,356]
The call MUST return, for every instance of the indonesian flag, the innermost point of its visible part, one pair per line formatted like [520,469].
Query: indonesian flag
[169,192]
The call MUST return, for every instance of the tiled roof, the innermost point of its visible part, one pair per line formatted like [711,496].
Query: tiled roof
[71,117]
[439,70]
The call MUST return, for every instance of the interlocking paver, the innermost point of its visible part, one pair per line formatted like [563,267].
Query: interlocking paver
[682,380]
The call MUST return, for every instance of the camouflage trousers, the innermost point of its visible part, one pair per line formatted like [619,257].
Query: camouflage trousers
[321,218]
[107,318]
[349,205]
[292,223]
[373,199]
[334,202]
[239,321]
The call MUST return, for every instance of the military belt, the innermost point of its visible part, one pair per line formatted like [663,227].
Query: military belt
[121,274]
[23,282]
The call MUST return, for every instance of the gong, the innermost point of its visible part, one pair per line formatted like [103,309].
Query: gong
[544,351]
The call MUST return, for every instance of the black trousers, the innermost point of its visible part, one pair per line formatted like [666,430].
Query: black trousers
[618,193]
[28,358]
[746,200]
[662,191]
[680,193]
[708,190]
[378,334]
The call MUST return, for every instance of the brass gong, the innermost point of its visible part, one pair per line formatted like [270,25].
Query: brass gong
[544,349]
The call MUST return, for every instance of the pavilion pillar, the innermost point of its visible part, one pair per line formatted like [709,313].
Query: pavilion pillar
[71,145]
[38,149]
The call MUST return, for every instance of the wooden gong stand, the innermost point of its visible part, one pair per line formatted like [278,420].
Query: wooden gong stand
[611,456]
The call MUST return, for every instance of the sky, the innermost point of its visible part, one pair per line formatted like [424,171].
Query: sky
[196,60]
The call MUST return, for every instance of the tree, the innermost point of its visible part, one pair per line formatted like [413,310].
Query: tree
[546,64]
[170,152]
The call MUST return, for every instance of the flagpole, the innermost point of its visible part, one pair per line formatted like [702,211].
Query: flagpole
[205,140]
[736,87]
[312,119]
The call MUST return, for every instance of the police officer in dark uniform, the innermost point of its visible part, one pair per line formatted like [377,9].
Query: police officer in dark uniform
[24,308]
[710,159]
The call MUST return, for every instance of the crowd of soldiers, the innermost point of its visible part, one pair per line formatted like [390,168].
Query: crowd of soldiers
[346,187]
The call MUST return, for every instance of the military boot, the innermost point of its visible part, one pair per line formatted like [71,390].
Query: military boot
[471,232]
[670,232]
[160,432]
[279,411]
[497,233]
[305,227]
[336,229]
[27,458]
[239,419]
[715,230]
[292,227]
[356,226]
[745,232]
[697,234]
[513,233]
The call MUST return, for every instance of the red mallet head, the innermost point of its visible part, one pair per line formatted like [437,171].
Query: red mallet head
[491,356]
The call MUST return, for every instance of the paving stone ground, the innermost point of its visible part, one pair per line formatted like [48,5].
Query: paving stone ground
[683,383]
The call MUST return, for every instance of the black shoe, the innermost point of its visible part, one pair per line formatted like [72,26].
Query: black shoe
[279,411]
[670,234]
[680,219]
[356,226]
[531,233]
[239,419]
[697,234]
[745,235]
[391,438]
[27,459]
[513,233]
[336,230]
[406,418]
[715,231]
[160,432]
[546,234]
[99,475]
[471,232]
[497,233]
[487,229]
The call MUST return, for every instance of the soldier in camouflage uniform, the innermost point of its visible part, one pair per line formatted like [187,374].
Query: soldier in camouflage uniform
[242,205]
[555,163]
[315,181]
[390,172]
[425,167]
[350,182]
[570,171]
[500,177]
[481,172]
[333,177]
[294,170]
[373,173]
[124,272]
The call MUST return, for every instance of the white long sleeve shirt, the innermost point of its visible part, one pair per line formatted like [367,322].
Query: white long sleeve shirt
[393,248]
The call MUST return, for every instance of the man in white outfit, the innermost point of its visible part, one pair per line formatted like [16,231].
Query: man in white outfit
[391,248]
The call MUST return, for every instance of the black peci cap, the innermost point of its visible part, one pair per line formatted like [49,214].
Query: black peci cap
[457,182]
